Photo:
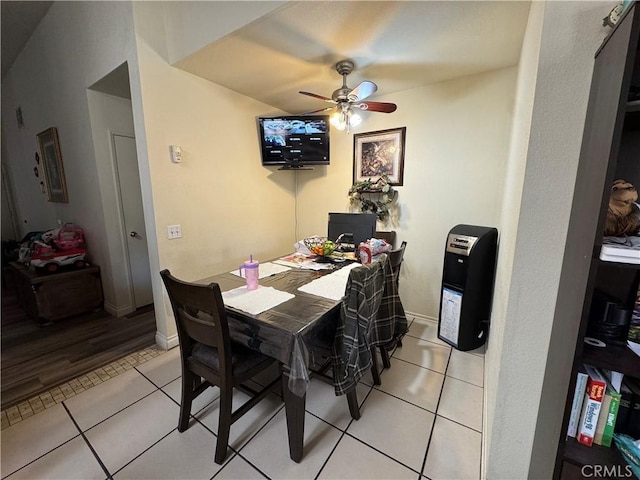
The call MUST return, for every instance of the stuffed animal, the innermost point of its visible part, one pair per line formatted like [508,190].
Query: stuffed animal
[623,215]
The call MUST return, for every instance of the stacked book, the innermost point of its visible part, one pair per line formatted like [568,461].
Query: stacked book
[620,253]
[604,403]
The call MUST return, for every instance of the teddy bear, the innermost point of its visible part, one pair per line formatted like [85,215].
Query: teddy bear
[623,215]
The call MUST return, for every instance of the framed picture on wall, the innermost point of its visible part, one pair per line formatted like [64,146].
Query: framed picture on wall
[52,165]
[379,153]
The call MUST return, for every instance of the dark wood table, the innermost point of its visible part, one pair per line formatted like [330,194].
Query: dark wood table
[288,333]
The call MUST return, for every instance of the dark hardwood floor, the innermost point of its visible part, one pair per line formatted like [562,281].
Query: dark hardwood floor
[36,358]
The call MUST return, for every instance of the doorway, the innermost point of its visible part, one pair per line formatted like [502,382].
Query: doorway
[128,186]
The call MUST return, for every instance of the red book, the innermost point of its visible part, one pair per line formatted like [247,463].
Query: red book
[596,387]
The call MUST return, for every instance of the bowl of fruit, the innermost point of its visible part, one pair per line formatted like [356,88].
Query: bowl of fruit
[319,246]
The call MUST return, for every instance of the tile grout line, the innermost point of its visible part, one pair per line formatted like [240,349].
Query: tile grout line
[64,391]
[86,440]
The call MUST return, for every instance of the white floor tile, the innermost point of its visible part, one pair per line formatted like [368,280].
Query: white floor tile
[426,330]
[31,438]
[395,427]
[107,398]
[239,469]
[466,366]
[72,460]
[454,452]
[423,353]
[124,436]
[164,368]
[174,390]
[462,403]
[247,426]
[414,384]
[269,450]
[187,455]
[353,459]
[323,402]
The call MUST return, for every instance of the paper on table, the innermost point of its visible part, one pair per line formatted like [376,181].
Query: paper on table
[255,301]
[330,286]
[265,270]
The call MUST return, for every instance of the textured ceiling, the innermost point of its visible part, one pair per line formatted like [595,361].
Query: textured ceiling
[397,45]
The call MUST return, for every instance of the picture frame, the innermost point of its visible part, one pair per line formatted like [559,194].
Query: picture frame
[52,167]
[379,153]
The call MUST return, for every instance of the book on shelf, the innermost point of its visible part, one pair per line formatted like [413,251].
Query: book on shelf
[620,253]
[624,409]
[576,404]
[633,421]
[633,335]
[594,393]
[609,415]
[602,418]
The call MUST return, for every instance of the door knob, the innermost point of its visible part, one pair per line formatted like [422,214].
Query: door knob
[134,235]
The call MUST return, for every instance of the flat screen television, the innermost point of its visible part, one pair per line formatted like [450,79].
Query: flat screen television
[356,227]
[294,141]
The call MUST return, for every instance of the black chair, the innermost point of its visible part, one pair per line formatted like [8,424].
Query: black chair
[207,352]
[395,258]
[389,237]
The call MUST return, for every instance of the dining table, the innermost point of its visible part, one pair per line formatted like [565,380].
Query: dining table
[288,331]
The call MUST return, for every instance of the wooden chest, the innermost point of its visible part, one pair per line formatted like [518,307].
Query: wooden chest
[49,297]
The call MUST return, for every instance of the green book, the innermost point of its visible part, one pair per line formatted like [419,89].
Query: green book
[607,434]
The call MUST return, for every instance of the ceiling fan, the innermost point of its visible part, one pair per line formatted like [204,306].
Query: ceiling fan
[347,99]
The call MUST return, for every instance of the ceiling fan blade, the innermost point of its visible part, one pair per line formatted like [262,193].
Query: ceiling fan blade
[317,111]
[383,107]
[362,91]
[315,95]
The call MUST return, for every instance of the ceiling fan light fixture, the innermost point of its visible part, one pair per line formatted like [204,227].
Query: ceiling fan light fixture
[339,120]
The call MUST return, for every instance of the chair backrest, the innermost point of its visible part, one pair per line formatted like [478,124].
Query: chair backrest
[359,309]
[200,316]
[389,237]
[395,258]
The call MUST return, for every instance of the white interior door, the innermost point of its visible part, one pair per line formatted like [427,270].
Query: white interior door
[131,200]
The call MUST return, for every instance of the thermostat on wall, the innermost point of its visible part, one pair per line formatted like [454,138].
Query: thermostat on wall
[176,154]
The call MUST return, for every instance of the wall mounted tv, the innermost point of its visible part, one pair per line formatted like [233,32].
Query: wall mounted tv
[294,141]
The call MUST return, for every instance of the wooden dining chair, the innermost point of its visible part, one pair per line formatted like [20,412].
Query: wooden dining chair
[395,258]
[387,236]
[371,317]
[207,352]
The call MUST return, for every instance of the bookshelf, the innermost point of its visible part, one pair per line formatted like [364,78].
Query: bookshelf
[610,151]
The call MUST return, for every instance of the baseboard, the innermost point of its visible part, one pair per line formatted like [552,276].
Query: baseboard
[118,311]
[421,316]
[167,343]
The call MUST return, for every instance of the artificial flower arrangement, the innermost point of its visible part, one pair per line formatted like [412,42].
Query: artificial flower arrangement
[363,192]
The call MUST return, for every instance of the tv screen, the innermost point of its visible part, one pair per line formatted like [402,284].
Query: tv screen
[294,141]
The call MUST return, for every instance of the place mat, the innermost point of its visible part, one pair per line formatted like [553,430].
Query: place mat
[255,301]
[265,270]
[330,286]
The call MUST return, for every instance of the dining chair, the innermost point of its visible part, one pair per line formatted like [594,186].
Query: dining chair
[395,258]
[371,317]
[207,352]
[387,236]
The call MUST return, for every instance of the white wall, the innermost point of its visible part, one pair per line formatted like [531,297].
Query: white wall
[228,205]
[456,151]
[565,35]
[76,44]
